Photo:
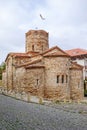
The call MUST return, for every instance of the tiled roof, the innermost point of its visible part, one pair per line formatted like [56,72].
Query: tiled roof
[17,54]
[28,54]
[34,66]
[32,53]
[76,52]
[24,54]
[29,63]
[59,52]
[76,66]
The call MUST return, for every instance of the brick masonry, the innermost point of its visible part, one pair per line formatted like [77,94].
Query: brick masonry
[43,72]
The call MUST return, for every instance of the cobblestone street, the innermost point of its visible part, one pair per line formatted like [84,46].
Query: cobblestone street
[19,115]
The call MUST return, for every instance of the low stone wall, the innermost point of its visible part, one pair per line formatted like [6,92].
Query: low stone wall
[35,99]
[23,96]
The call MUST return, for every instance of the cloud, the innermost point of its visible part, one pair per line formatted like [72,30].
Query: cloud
[65,20]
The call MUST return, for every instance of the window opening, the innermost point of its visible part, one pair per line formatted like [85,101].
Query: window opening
[62,78]
[37,81]
[66,78]
[32,47]
[57,78]
[42,47]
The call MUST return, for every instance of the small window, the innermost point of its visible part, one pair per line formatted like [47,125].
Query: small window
[37,81]
[32,47]
[57,79]
[62,78]
[42,47]
[66,78]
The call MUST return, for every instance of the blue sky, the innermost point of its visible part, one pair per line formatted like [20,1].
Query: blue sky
[65,20]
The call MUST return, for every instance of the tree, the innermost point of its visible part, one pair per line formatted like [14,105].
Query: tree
[2,68]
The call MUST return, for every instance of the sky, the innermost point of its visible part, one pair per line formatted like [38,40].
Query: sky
[65,20]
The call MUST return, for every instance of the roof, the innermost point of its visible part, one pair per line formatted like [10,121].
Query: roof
[76,52]
[32,53]
[29,63]
[34,66]
[76,66]
[49,52]
[55,51]
[21,55]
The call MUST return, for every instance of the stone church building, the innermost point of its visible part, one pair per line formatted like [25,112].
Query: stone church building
[43,71]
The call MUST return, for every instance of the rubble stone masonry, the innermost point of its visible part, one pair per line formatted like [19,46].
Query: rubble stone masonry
[43,72]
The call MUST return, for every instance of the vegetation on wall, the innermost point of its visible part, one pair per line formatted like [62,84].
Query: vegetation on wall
[2,68]
[85,93]
[85,90]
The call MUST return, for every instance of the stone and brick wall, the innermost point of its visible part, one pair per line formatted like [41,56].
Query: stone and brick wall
[9,73]
[21,60]
[36,41]
[30,81]
[4,80]
[57,68]
[47,75]
[76,84]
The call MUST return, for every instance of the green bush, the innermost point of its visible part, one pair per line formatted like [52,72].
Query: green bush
[0,82]
[85,92]
[2,68]
[0,76]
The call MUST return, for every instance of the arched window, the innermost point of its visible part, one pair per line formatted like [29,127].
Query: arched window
[32,47]
[62,79]
[57,79]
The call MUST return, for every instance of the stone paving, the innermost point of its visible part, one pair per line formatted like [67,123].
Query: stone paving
[19,115]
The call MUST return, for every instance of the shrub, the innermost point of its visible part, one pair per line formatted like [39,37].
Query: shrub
[85,93]
[0,76]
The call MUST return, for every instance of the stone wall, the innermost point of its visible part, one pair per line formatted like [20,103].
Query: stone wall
[21,60]
[57,87]
[76,84]
[48,75]
[9,73]
[30,80]
[36,57]
[37,41]
[4,80]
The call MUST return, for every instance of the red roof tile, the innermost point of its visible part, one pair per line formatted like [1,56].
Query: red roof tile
[32,53]
[28,54]
[29,63]
[57,53]
[34,66]
[76,52]
[76,66]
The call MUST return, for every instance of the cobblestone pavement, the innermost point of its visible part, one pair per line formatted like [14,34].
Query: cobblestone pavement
[19,115]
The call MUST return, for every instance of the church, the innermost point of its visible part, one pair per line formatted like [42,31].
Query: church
[43,71]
